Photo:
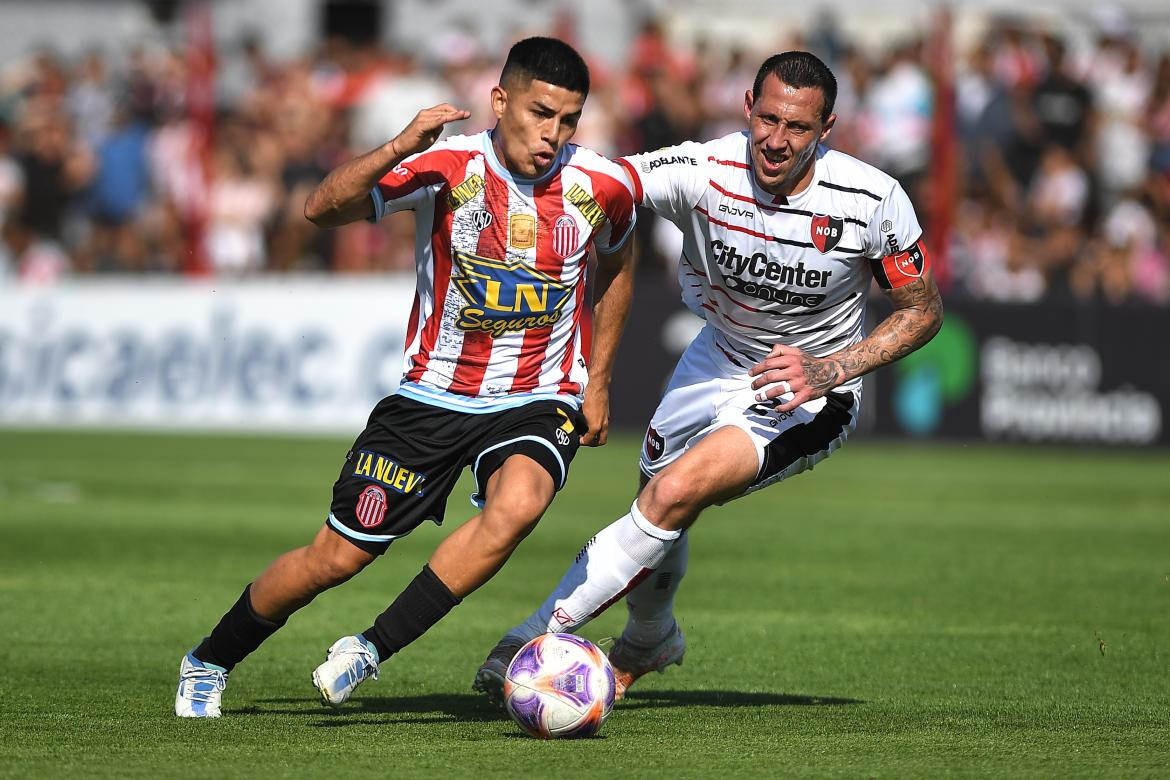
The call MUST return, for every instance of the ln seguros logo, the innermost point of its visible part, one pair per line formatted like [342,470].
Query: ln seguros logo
[504,296]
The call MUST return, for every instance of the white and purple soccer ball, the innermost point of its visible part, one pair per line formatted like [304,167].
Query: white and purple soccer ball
[559,685]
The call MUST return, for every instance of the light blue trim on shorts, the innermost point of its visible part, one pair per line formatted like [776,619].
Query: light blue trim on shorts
[476,499]
[341,528]
[468,405]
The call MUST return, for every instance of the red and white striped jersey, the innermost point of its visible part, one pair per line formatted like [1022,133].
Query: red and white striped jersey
[766,270]
[501,264]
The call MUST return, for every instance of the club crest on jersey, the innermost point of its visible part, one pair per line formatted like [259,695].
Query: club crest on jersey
[566,236]
[521,231]
[480,219]
[826,232]
[504,296]
[371,506]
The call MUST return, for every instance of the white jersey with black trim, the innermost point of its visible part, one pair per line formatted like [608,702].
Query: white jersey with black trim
[766,270]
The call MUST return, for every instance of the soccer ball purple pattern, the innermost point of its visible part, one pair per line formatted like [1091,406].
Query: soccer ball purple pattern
[559,685]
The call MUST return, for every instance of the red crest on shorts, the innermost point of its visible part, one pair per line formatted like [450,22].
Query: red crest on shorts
[566,235]
[371,506]
[826,232]
[655,445]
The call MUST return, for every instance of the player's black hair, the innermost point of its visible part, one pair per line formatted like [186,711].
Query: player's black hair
[548,60]
[800,69]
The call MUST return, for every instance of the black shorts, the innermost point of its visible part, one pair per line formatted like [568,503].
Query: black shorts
[404,465]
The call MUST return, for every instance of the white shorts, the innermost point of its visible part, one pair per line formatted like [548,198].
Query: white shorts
[707,392]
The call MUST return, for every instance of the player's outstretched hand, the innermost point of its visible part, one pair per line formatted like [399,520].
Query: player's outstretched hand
[425,128]
[790,370]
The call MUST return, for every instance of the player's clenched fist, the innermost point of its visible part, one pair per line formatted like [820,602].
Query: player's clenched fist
[789,370]
[425,128]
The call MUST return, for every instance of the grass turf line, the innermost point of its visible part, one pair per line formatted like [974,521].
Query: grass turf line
[903,611]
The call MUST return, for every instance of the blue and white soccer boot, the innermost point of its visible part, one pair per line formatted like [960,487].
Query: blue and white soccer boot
[200,688]
[350,661]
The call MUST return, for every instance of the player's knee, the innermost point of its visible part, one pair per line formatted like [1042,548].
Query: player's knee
[514,519]
[334,566]
[668,498]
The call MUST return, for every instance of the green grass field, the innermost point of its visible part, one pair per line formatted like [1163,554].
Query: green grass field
[903,611]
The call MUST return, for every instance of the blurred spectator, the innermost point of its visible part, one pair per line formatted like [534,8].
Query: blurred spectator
[117,196]
[1063,104]
[1122,90]
[1129,262]
[1158,114]
[985,259]
[896,109]
[11,175]
[241,201]
[1054,211]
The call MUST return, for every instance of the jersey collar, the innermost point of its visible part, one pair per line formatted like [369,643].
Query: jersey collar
[498,168]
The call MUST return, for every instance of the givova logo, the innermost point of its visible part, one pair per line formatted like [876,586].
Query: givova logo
[938,375]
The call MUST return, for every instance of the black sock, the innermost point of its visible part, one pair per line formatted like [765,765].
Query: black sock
[423,603]
[238,633]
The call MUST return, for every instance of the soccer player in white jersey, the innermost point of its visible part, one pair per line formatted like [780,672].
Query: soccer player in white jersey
[495,374]
[782,237]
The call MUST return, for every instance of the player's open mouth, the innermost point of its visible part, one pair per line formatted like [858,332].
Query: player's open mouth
[771,165]
[543,158]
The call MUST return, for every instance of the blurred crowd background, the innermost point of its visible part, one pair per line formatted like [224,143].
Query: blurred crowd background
[176,156]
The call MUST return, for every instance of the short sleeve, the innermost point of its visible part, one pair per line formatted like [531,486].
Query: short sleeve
[617,198]
[893,227]
[669,181]
[411,183]
[894,241]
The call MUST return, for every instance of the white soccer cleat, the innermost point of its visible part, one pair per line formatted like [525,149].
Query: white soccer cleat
[200,688]
[631,661]
[350,661]
[490,677]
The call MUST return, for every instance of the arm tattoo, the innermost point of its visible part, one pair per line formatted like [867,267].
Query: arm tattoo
[917,316]
[821,375]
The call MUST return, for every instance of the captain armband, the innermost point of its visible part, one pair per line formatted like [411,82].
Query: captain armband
[901,268]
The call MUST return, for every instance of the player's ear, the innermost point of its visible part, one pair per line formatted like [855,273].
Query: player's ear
[499,101]
[748,100]
[832,120]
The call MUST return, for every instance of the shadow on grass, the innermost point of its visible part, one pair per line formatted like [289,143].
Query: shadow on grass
[646,699]
[432,708]
[449,707]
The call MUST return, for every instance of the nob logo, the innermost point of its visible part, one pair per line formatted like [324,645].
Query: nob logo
[826,232]
[655,444]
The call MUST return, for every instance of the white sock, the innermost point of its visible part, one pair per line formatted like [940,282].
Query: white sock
[651,603]
[608,566]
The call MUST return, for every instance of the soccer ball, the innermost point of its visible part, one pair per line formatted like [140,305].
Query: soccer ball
[559,685]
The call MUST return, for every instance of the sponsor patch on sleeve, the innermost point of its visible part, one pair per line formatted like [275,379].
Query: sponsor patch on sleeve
[901,268]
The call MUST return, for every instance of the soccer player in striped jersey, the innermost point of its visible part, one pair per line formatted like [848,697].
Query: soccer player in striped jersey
[498,373]
[782,238]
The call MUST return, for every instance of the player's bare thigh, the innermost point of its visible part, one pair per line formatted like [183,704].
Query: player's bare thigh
[517,495]
[719,467]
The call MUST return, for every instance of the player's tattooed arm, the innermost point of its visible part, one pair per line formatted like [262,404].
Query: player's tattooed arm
[917,316]
[344,195]
[611,307]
